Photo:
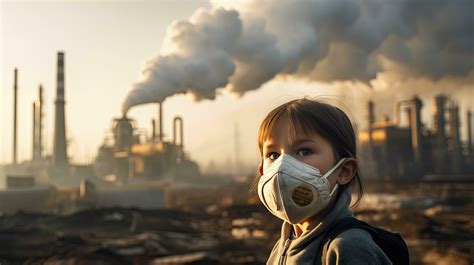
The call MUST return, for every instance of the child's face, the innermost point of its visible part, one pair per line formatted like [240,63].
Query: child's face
[313,150]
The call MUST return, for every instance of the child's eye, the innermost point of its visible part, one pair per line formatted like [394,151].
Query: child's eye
[273,155]
[304,152]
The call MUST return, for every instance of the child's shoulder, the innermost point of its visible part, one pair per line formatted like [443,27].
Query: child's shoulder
[353,238]
[355,246]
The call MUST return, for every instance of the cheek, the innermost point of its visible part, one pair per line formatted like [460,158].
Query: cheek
[323,162]
[265,165]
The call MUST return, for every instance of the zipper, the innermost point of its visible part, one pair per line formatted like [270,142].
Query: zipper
[285,249]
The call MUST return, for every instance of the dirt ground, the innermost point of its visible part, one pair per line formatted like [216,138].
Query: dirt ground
[227,225]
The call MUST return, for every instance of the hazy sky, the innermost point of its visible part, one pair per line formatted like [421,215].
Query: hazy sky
[106,45]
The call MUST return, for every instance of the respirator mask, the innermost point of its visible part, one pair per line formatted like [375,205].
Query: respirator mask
[293,190]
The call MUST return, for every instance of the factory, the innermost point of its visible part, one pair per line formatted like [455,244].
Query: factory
[405,149]
[130,155]
[132,168]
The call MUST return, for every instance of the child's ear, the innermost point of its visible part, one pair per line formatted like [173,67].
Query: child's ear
[348,171]
[260,168]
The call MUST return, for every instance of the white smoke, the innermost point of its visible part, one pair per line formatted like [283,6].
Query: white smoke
[240,47]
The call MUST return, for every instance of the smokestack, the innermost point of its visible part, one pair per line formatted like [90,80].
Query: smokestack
[415,128]
[153,129]
[371,118]
[160,121]
[455,141]
[469,132]
[35,144]
[407,118]
[15,108]
[60,160]
[38,126]
[439,128]
[40,122]
[176,119]
[412,113]
[440,124]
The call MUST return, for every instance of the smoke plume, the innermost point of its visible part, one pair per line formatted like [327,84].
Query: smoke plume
[239,47]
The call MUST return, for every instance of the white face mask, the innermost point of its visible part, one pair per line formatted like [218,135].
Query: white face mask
[293,190]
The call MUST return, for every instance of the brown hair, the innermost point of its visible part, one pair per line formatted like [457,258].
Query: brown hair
[308,116]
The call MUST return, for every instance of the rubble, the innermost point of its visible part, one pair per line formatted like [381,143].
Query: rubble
[210,230]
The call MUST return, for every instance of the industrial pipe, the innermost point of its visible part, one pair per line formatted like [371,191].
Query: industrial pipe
[40,121]
[34,151]
[176,119]
[371,120]
[398,106]
[456,157]
[15,108]
[414,108]
[441,141]
[153,129]
[160,121]
[439,104]
[469,132]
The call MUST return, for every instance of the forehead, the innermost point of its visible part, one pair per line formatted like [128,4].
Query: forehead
[294,128]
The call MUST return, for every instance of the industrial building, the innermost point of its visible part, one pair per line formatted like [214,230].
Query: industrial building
[132,168]
[407,152]
[129,155]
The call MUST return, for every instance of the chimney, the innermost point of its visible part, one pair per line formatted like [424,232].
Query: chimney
[60,160]
[440,135]
[371,119]
[40,122]
[469,132]
[34,151]
[15,113]
[415,128]
[455,141]
[38,125]
[153,129]
[175,121]
[440,123]
[407,118]
[371,113]
[160,121]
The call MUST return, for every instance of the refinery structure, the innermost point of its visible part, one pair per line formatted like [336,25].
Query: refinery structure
[405,149]
[132,168]
[128,155]
[135,168]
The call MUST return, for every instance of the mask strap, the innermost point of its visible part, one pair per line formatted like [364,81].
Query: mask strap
[334,168]
[334,189]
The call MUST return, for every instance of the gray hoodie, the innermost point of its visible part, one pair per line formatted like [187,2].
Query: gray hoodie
[354,246]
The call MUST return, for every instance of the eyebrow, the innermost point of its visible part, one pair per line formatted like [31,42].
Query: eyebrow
[302,141]
[270,146]
[297,142]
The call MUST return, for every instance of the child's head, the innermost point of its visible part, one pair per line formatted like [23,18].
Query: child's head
[314,132]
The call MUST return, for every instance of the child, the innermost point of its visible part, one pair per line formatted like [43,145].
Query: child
[308,165]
